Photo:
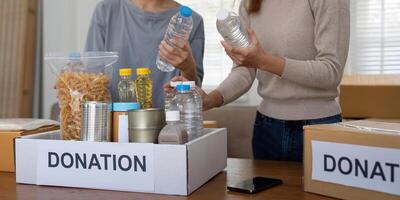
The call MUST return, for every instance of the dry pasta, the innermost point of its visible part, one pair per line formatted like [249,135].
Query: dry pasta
[74,88]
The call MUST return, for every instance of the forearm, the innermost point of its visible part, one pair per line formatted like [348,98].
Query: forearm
[213,100]
[190,73]
[272,64]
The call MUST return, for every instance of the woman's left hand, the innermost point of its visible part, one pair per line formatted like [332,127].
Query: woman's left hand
[252,56]
[179,54]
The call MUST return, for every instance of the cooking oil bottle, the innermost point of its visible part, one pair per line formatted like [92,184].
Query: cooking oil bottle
[144,88]
[126,86]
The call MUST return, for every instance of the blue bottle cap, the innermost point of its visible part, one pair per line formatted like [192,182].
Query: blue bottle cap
[186,11]
[74,56]
[183,87]
[124,107]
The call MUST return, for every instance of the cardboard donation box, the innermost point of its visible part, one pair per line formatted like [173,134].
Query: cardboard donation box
[135,167]
[366,96]
[12,128]
[353,160]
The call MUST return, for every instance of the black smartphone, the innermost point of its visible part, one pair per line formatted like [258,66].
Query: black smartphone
[254,185]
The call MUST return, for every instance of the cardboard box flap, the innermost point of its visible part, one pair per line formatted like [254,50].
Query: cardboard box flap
[25,124]
[371,80]
[363,126]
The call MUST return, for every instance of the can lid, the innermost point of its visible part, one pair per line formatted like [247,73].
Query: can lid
[172,116]
[183,87]
[142,71]
[186,11]
[222,14]
[125,72]
[124,107]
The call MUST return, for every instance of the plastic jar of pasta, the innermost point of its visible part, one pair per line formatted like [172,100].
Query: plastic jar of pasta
[81,77]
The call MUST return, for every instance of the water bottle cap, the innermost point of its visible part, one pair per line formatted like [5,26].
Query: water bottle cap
[191,83]
[186,11]
[222,14]
[125,72]
[125,107]
[182,87]
[172,116]
[74,56]
[142,71]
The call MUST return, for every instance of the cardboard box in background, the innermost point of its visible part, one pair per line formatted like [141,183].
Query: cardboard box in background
[7,146]
[370,96]
[340,160]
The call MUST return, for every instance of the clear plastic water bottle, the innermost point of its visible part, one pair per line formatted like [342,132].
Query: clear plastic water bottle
[180,26]
[184,102]
[231,29]
[170,95]
[199,106]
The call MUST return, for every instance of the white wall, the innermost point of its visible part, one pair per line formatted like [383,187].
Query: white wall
[65,25]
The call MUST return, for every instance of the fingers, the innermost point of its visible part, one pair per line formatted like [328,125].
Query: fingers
[226,46]
[167,86]
[252,37]
[237,52]
[174,55]
[179,78]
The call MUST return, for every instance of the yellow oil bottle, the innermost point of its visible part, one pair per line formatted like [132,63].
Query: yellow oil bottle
[144,88]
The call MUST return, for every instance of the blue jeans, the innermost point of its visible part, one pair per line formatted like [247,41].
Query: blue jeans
[275,139]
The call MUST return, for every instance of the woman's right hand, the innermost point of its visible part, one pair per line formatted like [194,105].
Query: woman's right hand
[210,101]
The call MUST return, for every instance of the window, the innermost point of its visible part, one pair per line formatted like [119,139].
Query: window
[217,65]
[375,37]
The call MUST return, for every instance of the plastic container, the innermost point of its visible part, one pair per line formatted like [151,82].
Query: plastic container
[81,77]
[199,106]
[173,132]
[144,88]
[126,86]
[180,26]
[170,95]
[184,102]
[231,29]
[120,120]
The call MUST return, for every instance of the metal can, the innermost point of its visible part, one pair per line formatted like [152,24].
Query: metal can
[96,122]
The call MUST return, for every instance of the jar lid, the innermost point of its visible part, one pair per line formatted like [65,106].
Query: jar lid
[125,106]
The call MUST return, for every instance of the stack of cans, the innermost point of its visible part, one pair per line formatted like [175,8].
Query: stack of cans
[96,122]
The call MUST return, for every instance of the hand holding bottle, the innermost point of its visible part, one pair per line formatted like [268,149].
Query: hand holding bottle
[212,100]
[179,54]
[255,56]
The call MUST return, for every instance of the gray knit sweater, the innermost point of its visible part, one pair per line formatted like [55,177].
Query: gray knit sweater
[313,37]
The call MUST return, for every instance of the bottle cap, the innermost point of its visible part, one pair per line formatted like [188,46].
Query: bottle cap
[125,107]
[142,71]
[182,87]
[125,72]
[222,14]
[172,116]
[186,11]
[74,56]
[191,83]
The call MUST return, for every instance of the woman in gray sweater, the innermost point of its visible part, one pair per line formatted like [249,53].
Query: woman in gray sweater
[135,29]
[298,53]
